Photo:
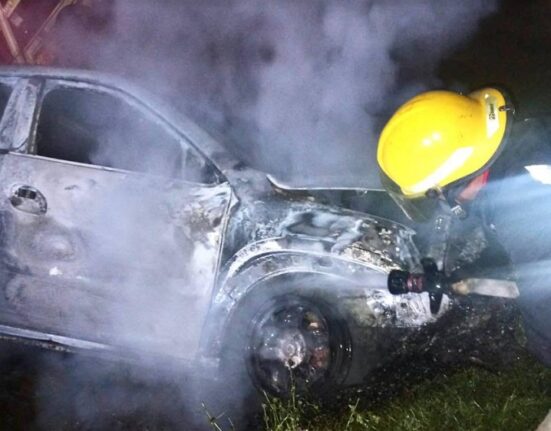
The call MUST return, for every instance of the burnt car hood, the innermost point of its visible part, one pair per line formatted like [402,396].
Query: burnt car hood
[303,223]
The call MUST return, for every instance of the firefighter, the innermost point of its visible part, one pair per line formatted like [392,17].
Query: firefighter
[444,152]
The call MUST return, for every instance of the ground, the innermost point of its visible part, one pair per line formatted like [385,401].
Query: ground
[517,398]
[43,390]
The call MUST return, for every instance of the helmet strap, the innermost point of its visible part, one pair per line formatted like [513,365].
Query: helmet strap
[457,198]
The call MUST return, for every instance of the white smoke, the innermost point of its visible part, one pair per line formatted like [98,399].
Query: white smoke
[298,88]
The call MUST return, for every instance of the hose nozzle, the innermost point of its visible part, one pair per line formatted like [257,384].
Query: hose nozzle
[431,280]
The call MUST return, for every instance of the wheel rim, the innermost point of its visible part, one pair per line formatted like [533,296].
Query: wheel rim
[296,344]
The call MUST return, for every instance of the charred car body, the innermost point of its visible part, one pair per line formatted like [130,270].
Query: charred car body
[129,232]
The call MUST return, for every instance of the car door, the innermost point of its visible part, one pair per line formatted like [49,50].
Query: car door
[111,221]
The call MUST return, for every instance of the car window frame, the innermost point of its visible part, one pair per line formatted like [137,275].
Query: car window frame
[18,116]
[52,84]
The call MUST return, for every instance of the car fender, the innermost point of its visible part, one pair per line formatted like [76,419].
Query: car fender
[355,253]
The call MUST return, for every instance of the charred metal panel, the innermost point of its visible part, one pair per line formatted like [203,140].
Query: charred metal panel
[356,289]
[113,250]
[305,226]
[355,250]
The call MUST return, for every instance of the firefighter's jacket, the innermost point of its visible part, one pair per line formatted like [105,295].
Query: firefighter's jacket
[516,204]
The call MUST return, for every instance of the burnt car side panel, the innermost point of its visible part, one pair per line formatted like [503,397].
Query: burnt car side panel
[99,254]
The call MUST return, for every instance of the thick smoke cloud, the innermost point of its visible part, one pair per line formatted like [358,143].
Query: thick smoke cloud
[297,88]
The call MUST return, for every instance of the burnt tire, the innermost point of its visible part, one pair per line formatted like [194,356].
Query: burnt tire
[288,335]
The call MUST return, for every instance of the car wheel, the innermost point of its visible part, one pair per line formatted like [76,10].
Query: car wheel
[291,341]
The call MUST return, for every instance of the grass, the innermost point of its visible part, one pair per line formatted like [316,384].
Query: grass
[467,399]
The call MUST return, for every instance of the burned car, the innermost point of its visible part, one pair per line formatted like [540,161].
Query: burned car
[130,232]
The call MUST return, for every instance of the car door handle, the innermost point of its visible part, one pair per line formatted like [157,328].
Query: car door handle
[28,199]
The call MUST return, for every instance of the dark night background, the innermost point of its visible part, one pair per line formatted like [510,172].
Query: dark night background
[510,48]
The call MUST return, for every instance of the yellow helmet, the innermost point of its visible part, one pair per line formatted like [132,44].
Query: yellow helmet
[440,137]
